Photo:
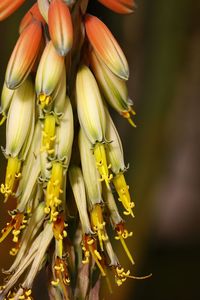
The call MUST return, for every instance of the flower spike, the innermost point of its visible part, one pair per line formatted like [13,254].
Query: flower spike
[60,26]
[106,46]
[119,6]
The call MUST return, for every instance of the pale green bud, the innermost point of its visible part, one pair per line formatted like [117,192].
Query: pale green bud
[90,106]
[20,121]
[65,134]
[114,148]
[90,174]
[48,75]
[31,169]
[114,88]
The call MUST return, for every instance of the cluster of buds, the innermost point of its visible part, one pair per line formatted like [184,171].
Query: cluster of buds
[65,163]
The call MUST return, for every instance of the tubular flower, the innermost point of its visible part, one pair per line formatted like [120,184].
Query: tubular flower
[24,55]
[106,47]
[113,88]
[92,119]
[48,75]
[65,161]
[60,26]
[116,159]
[120,6]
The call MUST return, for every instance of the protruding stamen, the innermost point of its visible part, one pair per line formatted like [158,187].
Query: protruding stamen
[89,247]
[54,189]
[123,234]
[44,100]
[98,224]
[123,191]
[12,176]
[49,137]
[103,168]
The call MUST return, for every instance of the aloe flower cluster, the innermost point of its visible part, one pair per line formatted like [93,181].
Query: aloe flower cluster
[65,163]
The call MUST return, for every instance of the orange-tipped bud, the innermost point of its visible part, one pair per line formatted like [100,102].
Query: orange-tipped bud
[106,46]
[7,7]
[119,6]
[30,16]
[60,26]
[24,55]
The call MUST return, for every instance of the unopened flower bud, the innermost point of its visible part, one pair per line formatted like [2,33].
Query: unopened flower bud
[60,26]
[90,173]
[20,120]
[24,55]
[48,74]
[106,46]
[90,106]
[113,88]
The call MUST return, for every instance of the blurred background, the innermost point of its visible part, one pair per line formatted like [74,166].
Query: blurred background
[162,43]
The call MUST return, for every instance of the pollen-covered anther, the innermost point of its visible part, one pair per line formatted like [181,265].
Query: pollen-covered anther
[121,275]
[54,189]
[14,251]
[13,175]
[26,295]
[98,224]
[90,248]
[123,191]
[123,234]
[16,225]
[61,275]
[101,162]
[44,100]
[127,115]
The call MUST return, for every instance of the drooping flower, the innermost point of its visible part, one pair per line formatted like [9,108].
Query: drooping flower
[60,26]
[106,46]
[24,55]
